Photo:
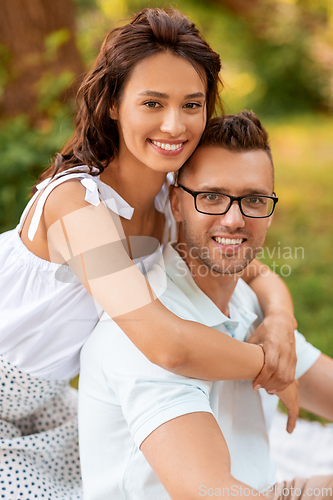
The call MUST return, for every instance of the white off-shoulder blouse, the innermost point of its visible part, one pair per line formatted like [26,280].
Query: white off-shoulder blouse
[45,312]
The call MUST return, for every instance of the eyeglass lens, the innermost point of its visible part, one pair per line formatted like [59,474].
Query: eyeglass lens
[215,203]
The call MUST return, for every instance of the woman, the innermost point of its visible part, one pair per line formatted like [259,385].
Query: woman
[144,107]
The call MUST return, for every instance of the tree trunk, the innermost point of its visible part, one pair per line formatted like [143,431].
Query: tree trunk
[25,29]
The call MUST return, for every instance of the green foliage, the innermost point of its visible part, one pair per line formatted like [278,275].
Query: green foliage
[276,60]
[55,40]
[284,55]
[302,224]
[50,88]
[277,63]
[25,151]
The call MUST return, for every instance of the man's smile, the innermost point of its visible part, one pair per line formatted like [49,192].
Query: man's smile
[228,241]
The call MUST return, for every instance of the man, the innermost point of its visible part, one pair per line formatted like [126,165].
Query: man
[148,434]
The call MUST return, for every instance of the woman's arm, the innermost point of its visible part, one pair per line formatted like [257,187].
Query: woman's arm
[189,348]
[91,240]
[276,332]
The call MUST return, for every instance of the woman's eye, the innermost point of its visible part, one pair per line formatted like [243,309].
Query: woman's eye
[193,105]
[152,104]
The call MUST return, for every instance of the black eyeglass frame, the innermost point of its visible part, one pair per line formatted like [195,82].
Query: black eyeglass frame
[232,199]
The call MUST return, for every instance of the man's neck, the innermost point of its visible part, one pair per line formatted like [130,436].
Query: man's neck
[218,287]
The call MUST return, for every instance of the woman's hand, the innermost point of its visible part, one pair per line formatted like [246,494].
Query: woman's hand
[276,335]
[290,399]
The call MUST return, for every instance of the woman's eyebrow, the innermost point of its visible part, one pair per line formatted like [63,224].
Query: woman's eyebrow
[154,93]
[195,95]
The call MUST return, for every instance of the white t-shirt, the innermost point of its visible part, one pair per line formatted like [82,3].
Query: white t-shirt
[124,397]
[45,312]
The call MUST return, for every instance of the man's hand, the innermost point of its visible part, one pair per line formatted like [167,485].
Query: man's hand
[290,399]
[276,335]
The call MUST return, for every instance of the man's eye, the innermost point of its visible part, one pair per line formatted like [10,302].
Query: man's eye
[255,200]
[212,197]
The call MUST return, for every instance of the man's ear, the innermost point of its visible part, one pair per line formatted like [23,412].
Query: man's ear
[175,203]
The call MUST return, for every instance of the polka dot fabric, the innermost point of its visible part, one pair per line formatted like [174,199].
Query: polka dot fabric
[39,453]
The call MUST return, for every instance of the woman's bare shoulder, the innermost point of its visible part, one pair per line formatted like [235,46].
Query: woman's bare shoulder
[64,199]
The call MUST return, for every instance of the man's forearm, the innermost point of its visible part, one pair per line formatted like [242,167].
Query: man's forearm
[269,288]
[316,388]
[276,332]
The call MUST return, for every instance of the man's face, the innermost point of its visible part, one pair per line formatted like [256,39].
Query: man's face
[225,243]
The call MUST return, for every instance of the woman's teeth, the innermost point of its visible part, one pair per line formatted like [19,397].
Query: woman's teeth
[168,147]
[228,241]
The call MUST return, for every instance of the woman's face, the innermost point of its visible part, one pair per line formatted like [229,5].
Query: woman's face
[162,113]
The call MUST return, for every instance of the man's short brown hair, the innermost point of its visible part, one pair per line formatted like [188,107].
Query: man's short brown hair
[239,132]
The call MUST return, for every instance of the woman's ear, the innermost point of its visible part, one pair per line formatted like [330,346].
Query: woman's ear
[175,203]
[114,112]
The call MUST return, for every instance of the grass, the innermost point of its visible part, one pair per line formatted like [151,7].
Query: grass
[301,232]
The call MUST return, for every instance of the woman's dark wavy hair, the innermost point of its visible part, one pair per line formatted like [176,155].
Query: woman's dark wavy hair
[96,141]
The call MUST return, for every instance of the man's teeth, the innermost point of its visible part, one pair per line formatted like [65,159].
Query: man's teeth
[228,241]
[168,147]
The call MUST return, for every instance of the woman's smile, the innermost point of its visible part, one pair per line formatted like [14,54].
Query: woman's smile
[168,148]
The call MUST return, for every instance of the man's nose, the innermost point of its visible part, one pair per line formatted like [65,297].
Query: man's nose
[173,123]
[233,218]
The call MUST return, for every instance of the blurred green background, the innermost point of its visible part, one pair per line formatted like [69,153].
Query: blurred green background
[277,60]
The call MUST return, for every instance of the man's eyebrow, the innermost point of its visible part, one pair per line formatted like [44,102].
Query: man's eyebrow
[154,93]
[214,189]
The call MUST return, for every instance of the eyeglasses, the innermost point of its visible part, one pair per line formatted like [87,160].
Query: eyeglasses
[211,203]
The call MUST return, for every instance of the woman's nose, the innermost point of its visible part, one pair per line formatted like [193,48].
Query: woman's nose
[173,123]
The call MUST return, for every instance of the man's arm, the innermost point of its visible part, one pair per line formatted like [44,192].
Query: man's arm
[191,458]
[316,388]
[170,420]
[276,332]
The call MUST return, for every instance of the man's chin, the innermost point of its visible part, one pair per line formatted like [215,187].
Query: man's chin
[230,268]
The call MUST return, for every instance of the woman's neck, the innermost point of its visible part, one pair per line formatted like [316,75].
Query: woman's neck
[138,185]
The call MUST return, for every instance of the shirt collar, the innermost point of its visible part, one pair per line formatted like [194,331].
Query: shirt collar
[177,270]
